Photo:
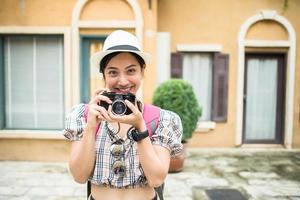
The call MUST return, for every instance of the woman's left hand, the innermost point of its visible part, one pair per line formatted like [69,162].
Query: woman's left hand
[135,118]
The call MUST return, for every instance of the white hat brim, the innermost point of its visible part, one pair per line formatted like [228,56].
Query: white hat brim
[97,57]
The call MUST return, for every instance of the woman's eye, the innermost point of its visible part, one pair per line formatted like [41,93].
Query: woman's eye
[112,73]
[131,71]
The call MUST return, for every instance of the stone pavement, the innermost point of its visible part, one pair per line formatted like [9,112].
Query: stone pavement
[256,174]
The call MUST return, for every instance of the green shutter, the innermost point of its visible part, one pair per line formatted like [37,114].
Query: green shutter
[85,71]
[86,41]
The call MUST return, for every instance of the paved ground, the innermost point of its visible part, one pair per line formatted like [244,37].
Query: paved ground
[256,174]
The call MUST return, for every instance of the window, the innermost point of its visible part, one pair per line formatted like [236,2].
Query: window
[208,74]
[197,70]
[31,82]
[264,97]
[90,78]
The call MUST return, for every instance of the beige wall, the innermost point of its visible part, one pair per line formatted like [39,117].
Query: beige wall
[219,22]
[53,13]
[36,13]
[150,28]
[34,149]
[59,13]
[265,31]
[107,10]
[189,22]
[121,10]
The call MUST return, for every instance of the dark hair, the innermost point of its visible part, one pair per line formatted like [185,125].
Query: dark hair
[108,57]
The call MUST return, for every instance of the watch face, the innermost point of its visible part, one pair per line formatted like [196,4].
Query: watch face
[129,133]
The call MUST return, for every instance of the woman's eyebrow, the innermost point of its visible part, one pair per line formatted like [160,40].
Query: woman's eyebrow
[116,68]
[111,67]
[129,66]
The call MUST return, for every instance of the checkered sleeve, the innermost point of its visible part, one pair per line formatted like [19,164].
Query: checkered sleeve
[169,132]
[75,123]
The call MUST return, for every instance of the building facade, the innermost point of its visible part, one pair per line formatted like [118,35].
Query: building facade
[240,56]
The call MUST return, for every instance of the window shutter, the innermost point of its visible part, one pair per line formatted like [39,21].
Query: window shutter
[220,87]
[176,65]
[2,108]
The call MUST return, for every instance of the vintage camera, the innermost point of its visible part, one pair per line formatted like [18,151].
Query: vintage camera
[119,106]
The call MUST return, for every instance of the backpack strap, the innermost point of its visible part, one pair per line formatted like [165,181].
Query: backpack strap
[151,116]
[160,191]
[86,111]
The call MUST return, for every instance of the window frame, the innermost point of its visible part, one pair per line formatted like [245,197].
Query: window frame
[67,75]
[85,41]
[202,126]
[281,58]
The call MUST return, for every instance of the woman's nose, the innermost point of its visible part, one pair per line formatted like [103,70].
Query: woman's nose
[123,80]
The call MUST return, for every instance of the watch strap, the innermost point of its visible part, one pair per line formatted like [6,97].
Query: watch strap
[138,136]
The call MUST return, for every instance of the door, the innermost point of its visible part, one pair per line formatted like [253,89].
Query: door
[90,77]
[264,95]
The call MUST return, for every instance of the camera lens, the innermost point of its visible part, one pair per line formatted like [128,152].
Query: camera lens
[119,107]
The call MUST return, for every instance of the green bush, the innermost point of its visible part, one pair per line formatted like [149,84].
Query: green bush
[178,96]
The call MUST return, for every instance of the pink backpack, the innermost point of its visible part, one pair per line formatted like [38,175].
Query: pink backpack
[150,115]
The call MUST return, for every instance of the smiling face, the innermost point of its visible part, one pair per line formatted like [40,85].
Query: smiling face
[123,74]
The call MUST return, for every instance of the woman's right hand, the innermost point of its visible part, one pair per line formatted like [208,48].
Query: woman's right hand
[97,113]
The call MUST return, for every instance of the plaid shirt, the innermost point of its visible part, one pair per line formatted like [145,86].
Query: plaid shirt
[168,134]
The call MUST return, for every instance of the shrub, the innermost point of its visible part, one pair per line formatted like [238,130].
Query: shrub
[178,96]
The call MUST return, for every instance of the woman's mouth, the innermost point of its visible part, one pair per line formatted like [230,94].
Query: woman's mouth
[124,90]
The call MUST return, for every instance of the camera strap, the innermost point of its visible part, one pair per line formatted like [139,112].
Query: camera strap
[150,114]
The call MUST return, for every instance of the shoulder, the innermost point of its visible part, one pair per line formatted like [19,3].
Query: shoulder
[151,112]
[77,112]
[169,131]
[78,109]
[75,122]
[169,116]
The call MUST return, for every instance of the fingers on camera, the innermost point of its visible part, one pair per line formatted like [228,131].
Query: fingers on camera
[98,91]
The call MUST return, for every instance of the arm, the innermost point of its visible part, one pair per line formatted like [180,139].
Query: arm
[165,143]
[155,161]
[82,159]
[155,158]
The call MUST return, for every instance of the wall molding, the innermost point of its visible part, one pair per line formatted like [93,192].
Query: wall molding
[291,45]
[66,32]
[77,23]
[199,47]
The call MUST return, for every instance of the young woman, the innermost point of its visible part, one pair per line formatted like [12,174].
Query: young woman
[112,151]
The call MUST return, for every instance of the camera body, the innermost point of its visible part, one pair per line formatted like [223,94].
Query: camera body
[119,106]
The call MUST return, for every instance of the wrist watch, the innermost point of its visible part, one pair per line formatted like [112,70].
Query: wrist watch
[138,136]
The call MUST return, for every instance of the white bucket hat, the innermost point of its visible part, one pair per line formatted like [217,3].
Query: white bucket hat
[119,41]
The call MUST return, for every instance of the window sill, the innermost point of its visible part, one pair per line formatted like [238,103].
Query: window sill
[31,134]
[262,146]
[205,126]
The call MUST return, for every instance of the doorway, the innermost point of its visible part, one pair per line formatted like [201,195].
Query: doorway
[264,98]
[90,77]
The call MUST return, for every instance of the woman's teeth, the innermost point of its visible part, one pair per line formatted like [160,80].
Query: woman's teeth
[124,90]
